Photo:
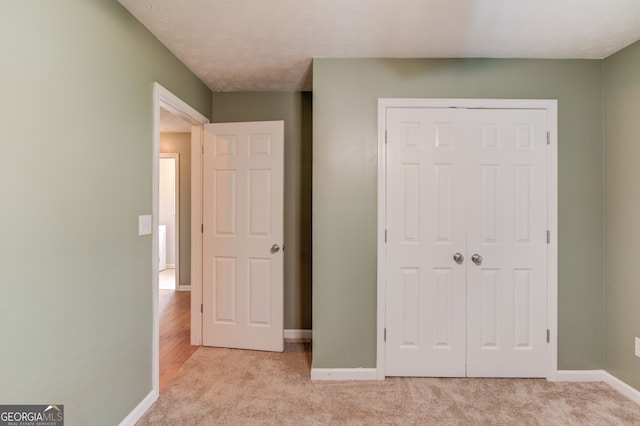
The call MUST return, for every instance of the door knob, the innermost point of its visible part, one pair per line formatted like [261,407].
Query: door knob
[458,258]
[275,248]
[477,259]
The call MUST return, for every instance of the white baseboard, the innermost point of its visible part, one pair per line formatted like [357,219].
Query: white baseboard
[344,374]
[581,375]
[171,266]
[600,376]
[184,287]
[304,335]
[628,391]
[142,408]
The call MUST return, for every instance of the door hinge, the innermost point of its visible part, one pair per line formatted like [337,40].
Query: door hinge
[548,237]
[202,148]
[202,228]
[385,334]
[201,308]
[385,136]
[548,335]
[385,235]
[548,138]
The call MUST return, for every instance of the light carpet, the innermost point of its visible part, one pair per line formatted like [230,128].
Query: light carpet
[234,387]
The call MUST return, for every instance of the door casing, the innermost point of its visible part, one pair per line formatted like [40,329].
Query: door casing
[551,106]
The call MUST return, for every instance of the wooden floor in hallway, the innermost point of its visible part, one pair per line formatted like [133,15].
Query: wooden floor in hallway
[175,347]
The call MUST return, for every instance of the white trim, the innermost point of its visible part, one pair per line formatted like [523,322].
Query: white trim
[552,250]
[177,106]
[551,106]
[382,247]
[137,413]
[344,374]
[171,266]
[630,392]
[466,103]
[298,334]
[599,376]
[197,136]
[162,98]
[186,287]
[580,376]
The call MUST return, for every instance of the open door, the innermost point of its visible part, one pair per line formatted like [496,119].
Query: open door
[242,195]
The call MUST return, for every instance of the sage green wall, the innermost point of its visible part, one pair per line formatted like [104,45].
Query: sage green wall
[76,286]
[622,178]
[345,93]
[181,143]
[295,109]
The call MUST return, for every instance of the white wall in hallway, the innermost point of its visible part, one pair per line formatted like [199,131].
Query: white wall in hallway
[167,201]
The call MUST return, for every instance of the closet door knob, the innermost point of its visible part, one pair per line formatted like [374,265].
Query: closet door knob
[477,259]
[458,258]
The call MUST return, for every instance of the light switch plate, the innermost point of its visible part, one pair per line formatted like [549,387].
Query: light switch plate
[638,347]
[144,224]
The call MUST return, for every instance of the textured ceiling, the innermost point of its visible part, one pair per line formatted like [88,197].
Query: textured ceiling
[238,45]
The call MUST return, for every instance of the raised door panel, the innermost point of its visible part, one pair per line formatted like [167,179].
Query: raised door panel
[225,203]
[225,290]
[259,204]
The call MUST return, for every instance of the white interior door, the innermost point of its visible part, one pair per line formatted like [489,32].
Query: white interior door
[243,185]
[463,182]
[507,228]
[425,321]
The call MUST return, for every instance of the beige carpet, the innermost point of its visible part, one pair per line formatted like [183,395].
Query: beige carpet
[233,387]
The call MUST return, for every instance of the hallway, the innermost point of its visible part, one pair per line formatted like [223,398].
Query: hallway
[175,347]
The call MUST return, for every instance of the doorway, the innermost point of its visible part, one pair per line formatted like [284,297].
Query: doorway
[170,111]
[465,268]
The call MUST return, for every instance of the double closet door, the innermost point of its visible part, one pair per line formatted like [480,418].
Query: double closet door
[466,252]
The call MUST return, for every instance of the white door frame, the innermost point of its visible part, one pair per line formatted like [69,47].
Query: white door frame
[551,106]
[162,98]
[197,143]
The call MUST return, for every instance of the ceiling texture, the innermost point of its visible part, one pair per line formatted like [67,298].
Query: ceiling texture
[268,45]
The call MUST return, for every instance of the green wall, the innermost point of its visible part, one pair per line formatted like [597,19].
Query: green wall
[295,109]
[345,93]
[76,294]
[622,178]
[76,111]
[181,143]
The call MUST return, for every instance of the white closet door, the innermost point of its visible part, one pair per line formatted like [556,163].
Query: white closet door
[507,227]
[464,182]
[426,226]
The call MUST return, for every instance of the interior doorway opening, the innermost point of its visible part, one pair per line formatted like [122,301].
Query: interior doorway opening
[171,308]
